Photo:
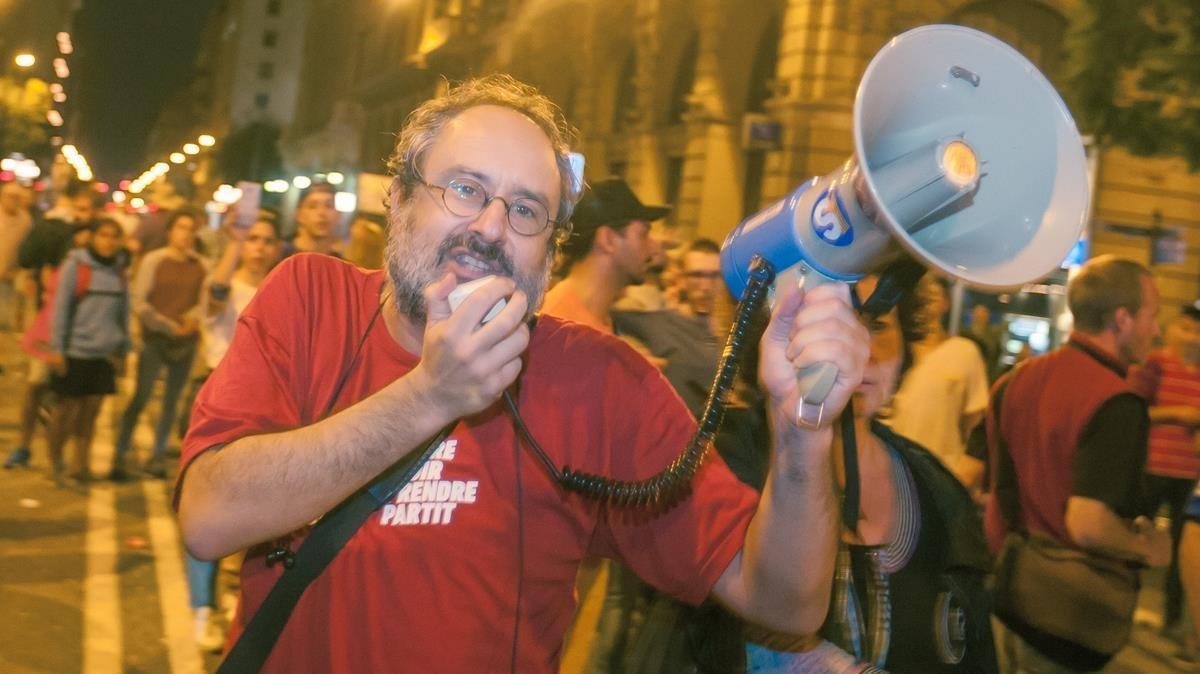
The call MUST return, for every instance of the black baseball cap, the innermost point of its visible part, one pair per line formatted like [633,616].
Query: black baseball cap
[607,202]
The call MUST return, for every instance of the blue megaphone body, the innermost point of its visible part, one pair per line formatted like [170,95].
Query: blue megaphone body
[966,158]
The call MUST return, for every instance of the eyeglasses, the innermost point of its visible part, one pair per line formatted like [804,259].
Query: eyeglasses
[466,198]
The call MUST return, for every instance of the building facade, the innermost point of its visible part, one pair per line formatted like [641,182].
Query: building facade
[662,90]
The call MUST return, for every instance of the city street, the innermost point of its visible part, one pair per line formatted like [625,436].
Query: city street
[93,580]
[90,580]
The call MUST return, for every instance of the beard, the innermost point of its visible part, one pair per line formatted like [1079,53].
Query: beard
[413,264]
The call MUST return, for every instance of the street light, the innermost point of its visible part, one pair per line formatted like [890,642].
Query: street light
[25,60]
[301,182]
[335,178]
[191,148]
[206,140]
[61,69]
[177,158]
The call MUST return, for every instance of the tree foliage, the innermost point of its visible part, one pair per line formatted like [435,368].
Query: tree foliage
[1135,75]
[23,126]
[251,152]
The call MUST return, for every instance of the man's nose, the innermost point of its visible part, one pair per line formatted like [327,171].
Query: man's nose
[492,222]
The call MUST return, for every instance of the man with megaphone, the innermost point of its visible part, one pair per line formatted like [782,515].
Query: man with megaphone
[464,559]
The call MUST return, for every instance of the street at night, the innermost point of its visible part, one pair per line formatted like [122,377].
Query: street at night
[600,336]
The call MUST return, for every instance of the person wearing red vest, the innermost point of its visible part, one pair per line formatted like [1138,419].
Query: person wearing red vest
[1077,432]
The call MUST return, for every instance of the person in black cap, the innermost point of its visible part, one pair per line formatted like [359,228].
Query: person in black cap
[610,247]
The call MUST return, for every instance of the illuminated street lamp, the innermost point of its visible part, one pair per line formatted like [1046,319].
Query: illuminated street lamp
[61,69]
[335,178]
[206,140]
[191,148]
[54,117]
[25,60]
[301,182]
[177,158]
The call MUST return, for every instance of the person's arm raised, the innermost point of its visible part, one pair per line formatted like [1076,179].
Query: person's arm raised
[782,577]
[263,486]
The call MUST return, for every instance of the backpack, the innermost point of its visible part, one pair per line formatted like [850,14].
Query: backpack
[36,340]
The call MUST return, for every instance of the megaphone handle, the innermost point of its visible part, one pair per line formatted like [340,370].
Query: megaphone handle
[815,381]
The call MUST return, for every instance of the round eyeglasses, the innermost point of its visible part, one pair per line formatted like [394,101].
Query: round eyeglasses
[466,198]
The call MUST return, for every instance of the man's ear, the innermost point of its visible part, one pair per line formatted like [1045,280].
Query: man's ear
[605,240]
[1121,321]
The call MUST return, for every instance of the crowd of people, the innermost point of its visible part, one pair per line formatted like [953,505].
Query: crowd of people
[82,284]
[940,512]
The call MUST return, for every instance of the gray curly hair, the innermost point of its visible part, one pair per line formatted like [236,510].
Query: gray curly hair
[427,120]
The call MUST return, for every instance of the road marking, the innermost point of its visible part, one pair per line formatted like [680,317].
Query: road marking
[101,586]
[173,599]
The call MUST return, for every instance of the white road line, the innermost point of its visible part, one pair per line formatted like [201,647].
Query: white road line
[172,582]
[101,585]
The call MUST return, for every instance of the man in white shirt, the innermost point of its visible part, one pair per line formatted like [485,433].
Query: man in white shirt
[945,392]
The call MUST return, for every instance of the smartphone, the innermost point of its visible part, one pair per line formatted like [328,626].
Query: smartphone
[246,213]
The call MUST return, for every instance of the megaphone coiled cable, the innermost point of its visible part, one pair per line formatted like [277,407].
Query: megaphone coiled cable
[673,481]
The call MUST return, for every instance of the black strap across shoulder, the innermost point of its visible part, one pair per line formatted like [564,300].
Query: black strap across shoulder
[328,537]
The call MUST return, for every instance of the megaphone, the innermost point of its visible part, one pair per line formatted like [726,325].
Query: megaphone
[965,157]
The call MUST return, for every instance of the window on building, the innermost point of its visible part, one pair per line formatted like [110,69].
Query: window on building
[674,185]
[274,7]
[261,101]
[685,80]
[762,73]
[1032,28]
[270,38]
[266,70]
[625,102]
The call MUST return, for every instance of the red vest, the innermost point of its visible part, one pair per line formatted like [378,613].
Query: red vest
[1048,403]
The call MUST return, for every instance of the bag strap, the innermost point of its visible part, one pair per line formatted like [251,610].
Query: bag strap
[83,279]
[323,543]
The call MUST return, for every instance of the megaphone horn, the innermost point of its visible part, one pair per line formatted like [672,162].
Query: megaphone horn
[965,157]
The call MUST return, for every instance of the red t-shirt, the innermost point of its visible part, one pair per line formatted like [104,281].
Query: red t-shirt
[1165,380]
[429,582]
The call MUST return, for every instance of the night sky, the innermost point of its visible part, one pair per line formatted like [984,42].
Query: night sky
[130,55]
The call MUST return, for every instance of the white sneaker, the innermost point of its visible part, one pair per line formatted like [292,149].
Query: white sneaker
[208,636]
